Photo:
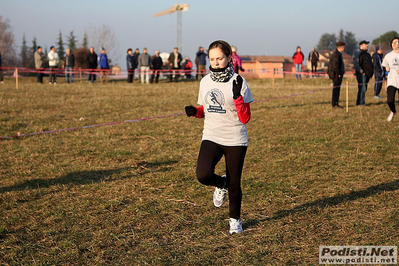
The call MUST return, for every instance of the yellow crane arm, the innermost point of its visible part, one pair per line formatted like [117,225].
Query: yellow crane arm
[174,8]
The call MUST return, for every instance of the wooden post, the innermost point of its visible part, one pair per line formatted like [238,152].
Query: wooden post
[273,79]
[16,77]
[80,74]
[347,96]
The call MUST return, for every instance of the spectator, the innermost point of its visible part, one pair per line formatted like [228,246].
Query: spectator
[130,65]
[391,63]
[188,66]
[237,64]
[144,63]
[156,66]
[39,63]
[336,71]
[200,62]
[53,64]
[92,62]
[379,72]
[1,72]
[136,56]
[298,61]
[364,72]
[314,58]
[68,65]
[174,60]
[103,64]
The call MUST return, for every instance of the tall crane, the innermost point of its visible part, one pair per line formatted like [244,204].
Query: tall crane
[176,8]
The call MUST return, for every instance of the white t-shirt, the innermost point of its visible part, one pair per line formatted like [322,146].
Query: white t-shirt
[222,124]
[391,60]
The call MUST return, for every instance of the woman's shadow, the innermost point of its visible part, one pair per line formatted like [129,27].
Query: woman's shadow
[330,201]
[92,176]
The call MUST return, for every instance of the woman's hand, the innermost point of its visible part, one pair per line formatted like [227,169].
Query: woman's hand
[190,110]
[237,85]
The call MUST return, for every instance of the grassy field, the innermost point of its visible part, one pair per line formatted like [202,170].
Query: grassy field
[127,194]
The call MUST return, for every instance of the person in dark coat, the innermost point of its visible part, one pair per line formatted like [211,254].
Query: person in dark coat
[156,66]
[175,59]
[314,58]
[69,64]
[336,71]
[130,65]
[200,61]
[364,72]
[136,55]
[92,62]
[379,72]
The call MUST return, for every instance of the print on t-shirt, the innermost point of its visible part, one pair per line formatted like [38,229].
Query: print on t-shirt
[215,99]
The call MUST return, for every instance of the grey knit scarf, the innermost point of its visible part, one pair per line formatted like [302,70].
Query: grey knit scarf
[221,74]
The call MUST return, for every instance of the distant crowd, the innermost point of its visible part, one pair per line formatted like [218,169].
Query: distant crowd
[149,68]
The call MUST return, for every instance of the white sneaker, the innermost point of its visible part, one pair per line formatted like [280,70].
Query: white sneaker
[390,116]
[219,196]
[235,226]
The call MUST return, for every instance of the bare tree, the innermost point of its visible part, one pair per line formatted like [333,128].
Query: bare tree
[7,49]
[104,36]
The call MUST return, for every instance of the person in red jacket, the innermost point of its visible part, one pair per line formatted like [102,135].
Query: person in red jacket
[188,66]
[298,61]
[224,99]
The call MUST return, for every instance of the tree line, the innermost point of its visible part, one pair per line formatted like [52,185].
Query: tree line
[327,41]
[26,54]
[101,36]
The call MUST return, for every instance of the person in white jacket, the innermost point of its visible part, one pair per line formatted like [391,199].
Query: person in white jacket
[53,64]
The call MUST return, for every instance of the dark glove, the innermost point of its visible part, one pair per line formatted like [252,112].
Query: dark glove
[243,70]
[237,85]
[191,110]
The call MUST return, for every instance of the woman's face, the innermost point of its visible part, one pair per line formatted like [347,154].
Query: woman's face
[217,58]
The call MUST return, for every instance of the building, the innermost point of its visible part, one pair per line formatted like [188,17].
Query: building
[267,66]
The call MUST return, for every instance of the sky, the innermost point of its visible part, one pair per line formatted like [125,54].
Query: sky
[255,27]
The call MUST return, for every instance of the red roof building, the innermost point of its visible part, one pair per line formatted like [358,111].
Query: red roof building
[266,66]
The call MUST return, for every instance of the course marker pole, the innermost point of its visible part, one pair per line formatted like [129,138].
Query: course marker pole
[273,79]
[347,96]
[16,77]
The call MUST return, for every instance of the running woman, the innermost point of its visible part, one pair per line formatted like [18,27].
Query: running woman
[224,99]
[391,64]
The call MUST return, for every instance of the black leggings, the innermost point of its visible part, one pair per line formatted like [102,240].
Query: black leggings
[209,155]
[391,91]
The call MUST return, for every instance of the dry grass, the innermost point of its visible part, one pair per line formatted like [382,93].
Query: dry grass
[127,194]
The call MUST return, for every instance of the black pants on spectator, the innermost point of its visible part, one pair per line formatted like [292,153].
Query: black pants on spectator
[130,75]
[209,155]
[39,75]
[336,91]
[378,85]
[314,68]
[391,91]
[155,74]
[53,74]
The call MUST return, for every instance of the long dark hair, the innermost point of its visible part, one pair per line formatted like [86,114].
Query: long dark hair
[222,45]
